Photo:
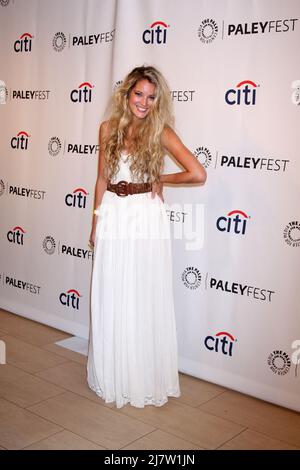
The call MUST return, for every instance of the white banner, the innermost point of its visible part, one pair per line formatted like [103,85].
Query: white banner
[234,73]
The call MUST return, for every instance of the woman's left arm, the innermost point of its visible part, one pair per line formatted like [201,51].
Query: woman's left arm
[194,171]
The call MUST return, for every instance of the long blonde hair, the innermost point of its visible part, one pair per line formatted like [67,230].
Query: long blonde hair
[146,152]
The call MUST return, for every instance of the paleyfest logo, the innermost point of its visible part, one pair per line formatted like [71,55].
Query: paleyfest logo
[59,40]
[208,28]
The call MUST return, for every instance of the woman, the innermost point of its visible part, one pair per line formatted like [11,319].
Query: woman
[133,345]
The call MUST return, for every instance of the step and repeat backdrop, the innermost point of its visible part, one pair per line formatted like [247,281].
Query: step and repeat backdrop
[234,74]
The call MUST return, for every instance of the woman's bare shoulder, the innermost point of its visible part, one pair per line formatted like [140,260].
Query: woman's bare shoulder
[168,136]
[104,127]
[104,131]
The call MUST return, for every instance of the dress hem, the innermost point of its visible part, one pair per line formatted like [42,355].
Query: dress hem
[138,404]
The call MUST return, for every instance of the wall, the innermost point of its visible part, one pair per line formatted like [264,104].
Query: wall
[233,69]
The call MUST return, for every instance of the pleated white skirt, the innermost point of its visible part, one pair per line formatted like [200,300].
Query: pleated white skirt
[133,345]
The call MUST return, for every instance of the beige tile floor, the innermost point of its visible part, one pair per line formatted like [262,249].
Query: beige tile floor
[45,404]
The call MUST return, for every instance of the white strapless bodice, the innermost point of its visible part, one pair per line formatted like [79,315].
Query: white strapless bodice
[124,173]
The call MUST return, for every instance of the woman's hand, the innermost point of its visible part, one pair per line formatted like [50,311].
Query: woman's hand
[157,188]
[92,238]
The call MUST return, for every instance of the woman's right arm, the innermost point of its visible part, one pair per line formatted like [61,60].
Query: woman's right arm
[101,182]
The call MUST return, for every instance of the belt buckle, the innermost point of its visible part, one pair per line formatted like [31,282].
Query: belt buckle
[121,188]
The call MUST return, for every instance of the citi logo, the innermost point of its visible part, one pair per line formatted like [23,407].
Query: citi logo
[77,198]
[70,298]
[23,44]
[20,141]
[222,342]
[16,235]
[235,221]
[157,34]
[243,93]
[83,94]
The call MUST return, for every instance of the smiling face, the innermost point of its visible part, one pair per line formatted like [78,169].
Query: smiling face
[141,98]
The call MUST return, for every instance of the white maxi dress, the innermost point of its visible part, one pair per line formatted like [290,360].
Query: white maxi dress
[132,354]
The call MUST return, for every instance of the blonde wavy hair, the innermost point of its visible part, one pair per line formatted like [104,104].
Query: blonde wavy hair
[146,152]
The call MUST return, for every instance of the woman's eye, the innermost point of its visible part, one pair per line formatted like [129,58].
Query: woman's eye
[138,93]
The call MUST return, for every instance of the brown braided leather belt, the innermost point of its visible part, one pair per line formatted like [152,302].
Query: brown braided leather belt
[123,188]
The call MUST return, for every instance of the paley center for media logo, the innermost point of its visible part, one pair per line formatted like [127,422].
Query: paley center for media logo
[280,362]
[192,277]
[50,247]
[55,145]
[259,164]
[291,233]
[204,156]
[3,92]
[208,29]
[59,40]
